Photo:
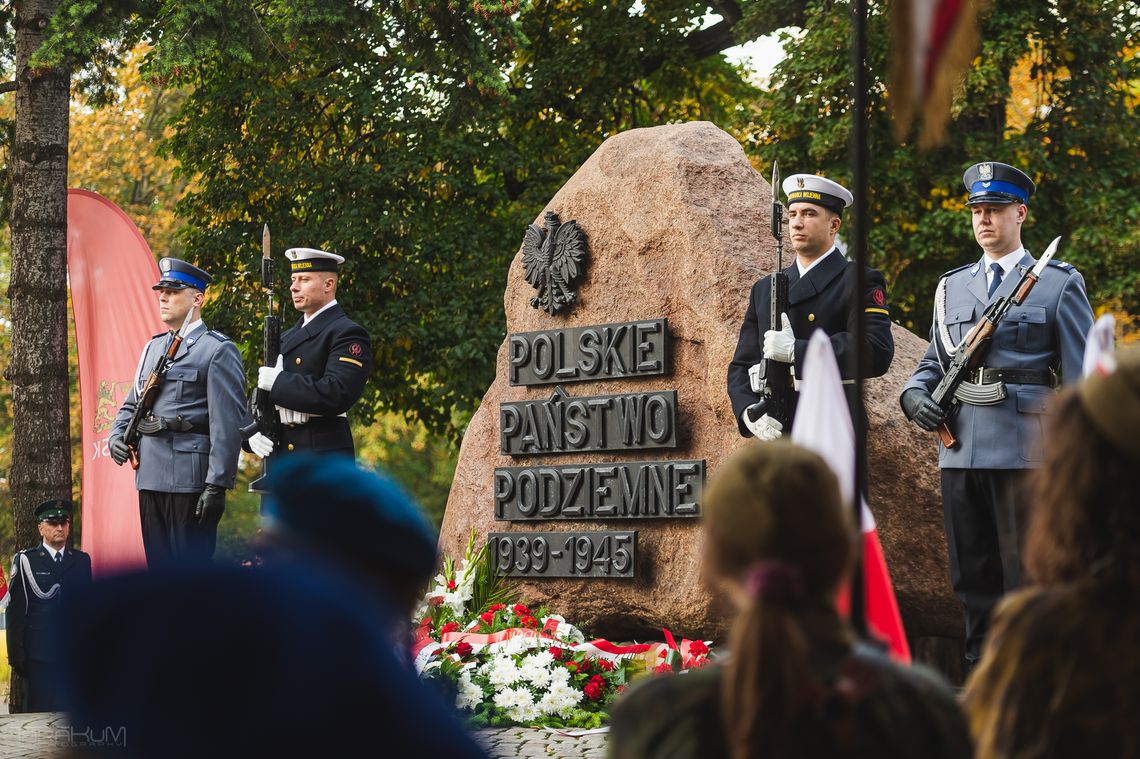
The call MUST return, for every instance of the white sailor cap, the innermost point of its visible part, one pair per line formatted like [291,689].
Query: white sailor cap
[311,259]
[820,191]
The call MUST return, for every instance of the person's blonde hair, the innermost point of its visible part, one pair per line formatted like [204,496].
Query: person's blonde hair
[775,523]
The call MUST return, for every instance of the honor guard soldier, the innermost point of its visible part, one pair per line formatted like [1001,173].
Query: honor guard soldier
[819,297]
[41,577]
[188,451]
[1038,343]
[324,363]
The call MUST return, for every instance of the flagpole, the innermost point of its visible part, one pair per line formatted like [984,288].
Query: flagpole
[859,154]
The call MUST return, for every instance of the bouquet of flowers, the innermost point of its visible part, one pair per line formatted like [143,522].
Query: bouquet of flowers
[504,663]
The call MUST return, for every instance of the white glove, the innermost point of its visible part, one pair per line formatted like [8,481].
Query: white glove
[267,375]
[290,417]
[780,345]
[260,444]
[764,428]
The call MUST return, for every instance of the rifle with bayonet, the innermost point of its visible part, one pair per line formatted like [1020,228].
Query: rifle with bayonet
[770,379]
[265,419]
[146,397]
[953,387]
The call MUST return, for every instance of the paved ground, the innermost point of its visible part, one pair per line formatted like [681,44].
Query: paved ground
[40,736]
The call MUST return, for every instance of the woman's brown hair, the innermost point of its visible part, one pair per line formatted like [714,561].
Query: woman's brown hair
[774,521]
[1085,522]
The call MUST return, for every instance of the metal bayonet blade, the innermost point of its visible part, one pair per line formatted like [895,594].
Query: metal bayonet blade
[265,241]
[1046,257]
[186,324]
[775,179]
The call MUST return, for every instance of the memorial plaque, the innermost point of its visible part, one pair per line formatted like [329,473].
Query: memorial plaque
[625,490]
[563,424]
[564,554]
[603,351]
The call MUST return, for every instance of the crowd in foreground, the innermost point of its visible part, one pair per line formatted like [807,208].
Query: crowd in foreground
[309,654]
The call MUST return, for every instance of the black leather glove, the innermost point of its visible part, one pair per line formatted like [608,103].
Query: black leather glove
[921,409]
[119,451]
[211,504]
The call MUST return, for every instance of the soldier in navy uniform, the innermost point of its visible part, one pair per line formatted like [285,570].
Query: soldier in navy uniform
[819,297]
[1039,344]
[188,453]
[41,577]
[324,363]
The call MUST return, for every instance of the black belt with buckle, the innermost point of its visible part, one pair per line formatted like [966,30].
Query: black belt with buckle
[152,425]
[988,376]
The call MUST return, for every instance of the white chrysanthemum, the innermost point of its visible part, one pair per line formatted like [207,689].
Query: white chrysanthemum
[470,695]
[514,698]
[519,644]
[560,699]
[503,672]
[535,669]
[559,675]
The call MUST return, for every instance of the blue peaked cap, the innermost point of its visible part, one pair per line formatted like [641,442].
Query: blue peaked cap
[993,182]
[313,498]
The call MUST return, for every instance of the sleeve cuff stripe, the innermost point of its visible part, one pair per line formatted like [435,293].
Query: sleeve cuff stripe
[348,360]
[883,311]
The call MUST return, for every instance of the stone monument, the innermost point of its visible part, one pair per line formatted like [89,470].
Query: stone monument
[585,459]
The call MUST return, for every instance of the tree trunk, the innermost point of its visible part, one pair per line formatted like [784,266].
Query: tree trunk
[41,438]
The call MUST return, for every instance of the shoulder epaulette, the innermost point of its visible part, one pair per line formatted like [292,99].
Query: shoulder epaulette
[960,268]
[160,334]
[218,336]
[1062,265]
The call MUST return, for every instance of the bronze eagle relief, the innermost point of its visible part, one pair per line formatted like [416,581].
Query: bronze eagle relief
[554,261]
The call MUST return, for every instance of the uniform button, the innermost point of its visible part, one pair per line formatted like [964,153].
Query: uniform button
[811,317]
[290,446]
[298,360]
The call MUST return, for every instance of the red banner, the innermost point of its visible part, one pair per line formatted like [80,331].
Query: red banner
[111,271]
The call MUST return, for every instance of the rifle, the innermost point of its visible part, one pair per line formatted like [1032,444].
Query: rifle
[149,393]
[974,346]
[262,410]
[770,378]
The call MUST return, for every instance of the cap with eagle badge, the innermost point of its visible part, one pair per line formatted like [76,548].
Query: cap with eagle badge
[993,182]
[820,191]
[56,508]
[311,259]
[178,275]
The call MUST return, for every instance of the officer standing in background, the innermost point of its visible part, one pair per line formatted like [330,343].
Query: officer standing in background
[39,576]
[189,449]
[819,297]
[324,363]
[1038,344]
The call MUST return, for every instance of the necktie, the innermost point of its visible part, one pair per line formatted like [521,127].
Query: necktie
[996,281]
[59,558]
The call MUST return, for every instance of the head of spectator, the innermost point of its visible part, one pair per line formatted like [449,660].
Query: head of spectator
[227,662]
[781,542]
[329,510]
[1085,525]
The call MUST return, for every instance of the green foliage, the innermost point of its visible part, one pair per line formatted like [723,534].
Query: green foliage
[1079,141]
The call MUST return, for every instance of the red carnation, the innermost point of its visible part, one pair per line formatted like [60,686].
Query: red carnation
[520,610]
[463,648]
[601,681]
[497,607]
[556,652]
[698,648]
[605,665]
[593,691]
[488,617]
[449,627]
[451,584]
[528,621]
[435,600]
[663,669]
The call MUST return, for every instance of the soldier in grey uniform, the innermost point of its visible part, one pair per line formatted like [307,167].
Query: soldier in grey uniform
[189,449]
[1039,344]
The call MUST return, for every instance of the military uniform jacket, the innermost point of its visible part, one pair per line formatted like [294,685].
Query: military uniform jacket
[205,385]
[326,364]
[33,621]
[822,299]
[1048,331]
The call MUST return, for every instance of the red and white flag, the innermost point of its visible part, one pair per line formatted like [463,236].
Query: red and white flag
[111,271]
[932,44]
[823,424]
[1100,347]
